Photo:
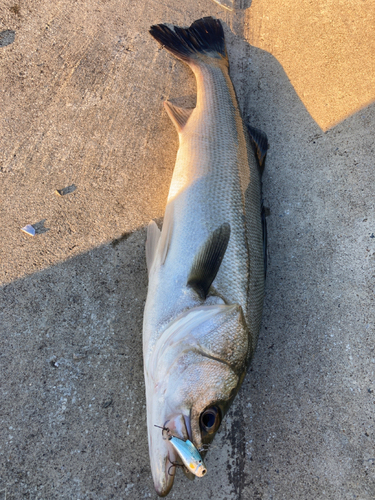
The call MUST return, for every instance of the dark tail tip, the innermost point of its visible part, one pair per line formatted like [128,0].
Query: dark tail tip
[204,37]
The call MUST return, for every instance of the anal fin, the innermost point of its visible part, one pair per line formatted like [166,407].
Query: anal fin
[179,116]
[207,262]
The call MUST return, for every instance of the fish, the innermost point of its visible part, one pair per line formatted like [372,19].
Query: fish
[206,266]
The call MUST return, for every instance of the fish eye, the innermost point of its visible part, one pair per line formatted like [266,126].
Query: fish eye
[210,420]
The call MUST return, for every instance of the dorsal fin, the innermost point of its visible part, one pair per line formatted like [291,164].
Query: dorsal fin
[153,237]
[179,116]
[207,261]
[260,143]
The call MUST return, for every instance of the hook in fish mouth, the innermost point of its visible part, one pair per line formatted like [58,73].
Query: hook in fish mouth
[187,452]
[189,455]
[164,429]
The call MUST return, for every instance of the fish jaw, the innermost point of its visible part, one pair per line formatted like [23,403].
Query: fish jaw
[163,455]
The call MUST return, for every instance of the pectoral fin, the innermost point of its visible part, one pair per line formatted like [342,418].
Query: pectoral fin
[260,144]
[179,116]
[207,261]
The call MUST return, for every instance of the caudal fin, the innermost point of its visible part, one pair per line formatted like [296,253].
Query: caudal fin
[205,37]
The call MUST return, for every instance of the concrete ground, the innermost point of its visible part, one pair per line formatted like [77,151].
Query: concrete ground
[82,86]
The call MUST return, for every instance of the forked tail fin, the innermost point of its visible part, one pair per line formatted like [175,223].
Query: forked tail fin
[204,38]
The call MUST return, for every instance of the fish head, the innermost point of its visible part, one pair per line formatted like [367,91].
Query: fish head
[196,369]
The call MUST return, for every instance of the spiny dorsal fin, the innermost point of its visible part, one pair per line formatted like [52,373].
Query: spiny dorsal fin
[207,261]
[179,116]
[153,237]
[260,143]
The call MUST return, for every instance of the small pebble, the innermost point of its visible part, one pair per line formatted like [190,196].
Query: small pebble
[65,190]
[77,356]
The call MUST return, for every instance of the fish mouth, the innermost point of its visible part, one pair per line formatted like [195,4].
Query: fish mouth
[164,458]
[163,479]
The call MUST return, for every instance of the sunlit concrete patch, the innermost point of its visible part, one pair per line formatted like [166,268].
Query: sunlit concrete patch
[326,48]
[75,111]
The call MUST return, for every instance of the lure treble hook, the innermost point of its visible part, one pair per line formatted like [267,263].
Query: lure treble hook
[164,429]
